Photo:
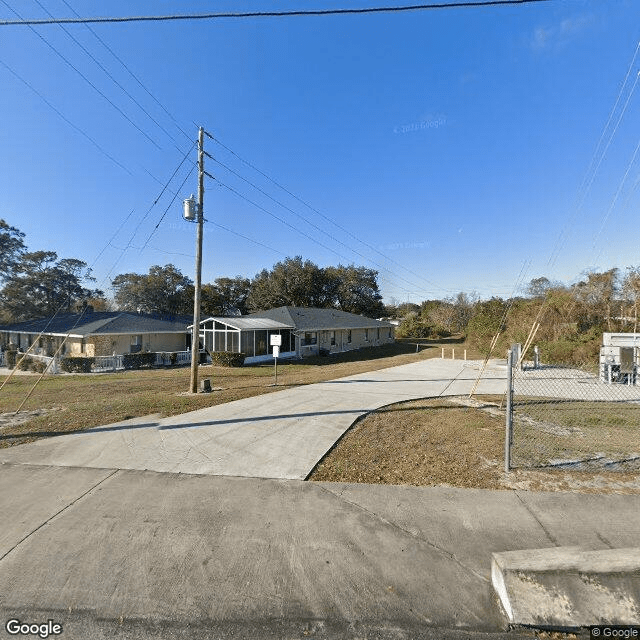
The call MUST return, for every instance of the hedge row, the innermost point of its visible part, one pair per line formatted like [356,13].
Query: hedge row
[76,364]
[138,360]
[227,358]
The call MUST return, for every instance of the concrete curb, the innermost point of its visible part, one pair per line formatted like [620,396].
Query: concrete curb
[568,587]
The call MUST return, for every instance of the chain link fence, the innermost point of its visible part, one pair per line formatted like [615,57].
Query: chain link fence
[574,418]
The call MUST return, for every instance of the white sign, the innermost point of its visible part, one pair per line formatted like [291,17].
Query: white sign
[276,351]
[276,340]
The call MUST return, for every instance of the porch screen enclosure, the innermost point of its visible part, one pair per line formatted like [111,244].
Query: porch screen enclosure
[218,336]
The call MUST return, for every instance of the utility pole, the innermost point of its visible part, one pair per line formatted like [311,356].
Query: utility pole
[195,336]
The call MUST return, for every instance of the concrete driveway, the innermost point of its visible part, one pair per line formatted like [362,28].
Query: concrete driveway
[277,435]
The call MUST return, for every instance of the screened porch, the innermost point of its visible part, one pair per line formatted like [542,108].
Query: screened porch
[251,336]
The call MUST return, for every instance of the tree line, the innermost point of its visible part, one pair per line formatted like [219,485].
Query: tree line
[571,317]
[36,284]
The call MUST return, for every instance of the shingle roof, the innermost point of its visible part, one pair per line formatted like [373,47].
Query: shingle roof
[312,319]
[101,322]
[249,322]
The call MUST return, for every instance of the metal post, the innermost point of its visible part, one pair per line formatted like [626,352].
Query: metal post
[509,420]
[195,336]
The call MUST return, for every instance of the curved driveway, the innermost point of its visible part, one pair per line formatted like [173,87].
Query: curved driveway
[277,435]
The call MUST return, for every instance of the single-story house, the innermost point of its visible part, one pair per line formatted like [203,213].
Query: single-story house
[100,333]
[303,331]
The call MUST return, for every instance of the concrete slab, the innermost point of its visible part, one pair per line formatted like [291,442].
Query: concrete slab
[278,435]
[179,549]
[568,587]
[159,555]
[31,496]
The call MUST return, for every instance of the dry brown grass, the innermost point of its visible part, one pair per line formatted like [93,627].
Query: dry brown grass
[77,402]
[436,441]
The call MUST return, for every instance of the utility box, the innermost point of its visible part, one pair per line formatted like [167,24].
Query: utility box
[620,358]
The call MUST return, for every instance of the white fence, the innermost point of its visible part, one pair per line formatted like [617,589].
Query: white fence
[163,359]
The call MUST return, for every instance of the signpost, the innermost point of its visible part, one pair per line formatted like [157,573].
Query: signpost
[276,343]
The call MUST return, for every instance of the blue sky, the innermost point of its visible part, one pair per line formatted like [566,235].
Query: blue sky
[452,144]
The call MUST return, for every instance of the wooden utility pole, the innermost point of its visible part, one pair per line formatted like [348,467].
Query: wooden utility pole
[195,336]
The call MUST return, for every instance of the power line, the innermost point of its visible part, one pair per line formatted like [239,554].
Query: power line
[93,86]
[106,71]
[322,215]
[71,124]
[306,235]
[312,224]
[164,188]
[274,14]
[133,75]
[587,181]
[167,209]
[240,235]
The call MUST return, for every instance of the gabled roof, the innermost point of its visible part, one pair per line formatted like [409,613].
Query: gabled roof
[248,323]
[101,322]
[313,319]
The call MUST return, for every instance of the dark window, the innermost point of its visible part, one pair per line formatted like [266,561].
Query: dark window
[349,336]
[310,337]
[247,343]
[261,343]
[366,335]
[333,338]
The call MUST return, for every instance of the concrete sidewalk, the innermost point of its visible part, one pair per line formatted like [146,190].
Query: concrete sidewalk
[277,435]
[133,554]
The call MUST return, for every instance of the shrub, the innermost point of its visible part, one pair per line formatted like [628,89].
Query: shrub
[173,358]
[415,327]
[76,364]
[138,360]
[38,366]
[227,358]
[24,362]
[11,357]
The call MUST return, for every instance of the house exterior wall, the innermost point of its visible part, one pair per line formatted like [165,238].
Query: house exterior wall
[108,344]
[360,339]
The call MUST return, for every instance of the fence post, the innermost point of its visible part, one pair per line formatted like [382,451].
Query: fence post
[509,414]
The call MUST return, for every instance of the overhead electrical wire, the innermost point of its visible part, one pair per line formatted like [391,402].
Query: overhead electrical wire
[322,215]
[144,246]
[312,224]
[133,75]
[69,122]
[590,175]
[274,14]
[303,233]
[91,84]
[108,73]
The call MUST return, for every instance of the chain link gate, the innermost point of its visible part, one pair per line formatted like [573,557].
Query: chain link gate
[564,417]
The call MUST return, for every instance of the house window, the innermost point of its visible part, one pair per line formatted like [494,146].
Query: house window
[310,338]
[332,336]
[261,342]
[366,335]
[389,333]
[136,344]
[349,336]
[378,333]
